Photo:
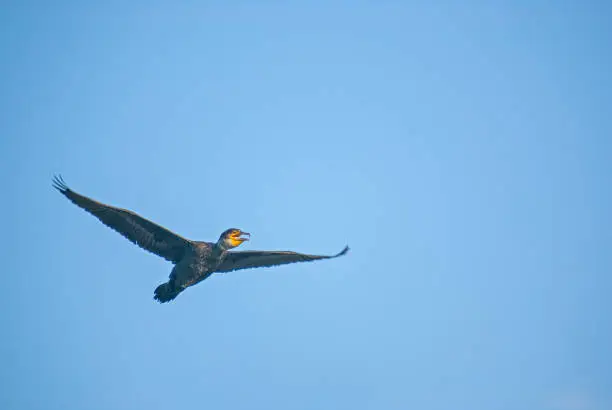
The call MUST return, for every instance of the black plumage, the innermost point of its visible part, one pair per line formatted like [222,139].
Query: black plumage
[193,261]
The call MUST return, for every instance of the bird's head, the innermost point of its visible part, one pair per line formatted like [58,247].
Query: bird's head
[232,237]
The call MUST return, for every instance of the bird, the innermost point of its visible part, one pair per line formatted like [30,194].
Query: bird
[194,261]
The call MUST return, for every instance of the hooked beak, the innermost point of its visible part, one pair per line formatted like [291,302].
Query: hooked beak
[243,234]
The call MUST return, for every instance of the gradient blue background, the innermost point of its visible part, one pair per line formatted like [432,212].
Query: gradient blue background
[463,152]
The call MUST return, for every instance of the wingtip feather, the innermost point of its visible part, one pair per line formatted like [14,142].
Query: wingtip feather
[59,183]
[343,251]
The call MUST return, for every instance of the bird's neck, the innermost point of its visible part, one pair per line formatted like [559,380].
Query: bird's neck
[221,247]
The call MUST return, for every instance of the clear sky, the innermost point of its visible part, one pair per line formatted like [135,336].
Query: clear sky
[462,151]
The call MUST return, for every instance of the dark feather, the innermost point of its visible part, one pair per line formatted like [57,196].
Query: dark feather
[256,259]
[142,232]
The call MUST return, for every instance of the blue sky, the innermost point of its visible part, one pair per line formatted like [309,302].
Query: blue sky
[463,152]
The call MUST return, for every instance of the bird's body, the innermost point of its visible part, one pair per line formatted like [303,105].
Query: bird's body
[198,263]
[193,261]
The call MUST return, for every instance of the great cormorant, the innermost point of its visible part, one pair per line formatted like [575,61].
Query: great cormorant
[193,261]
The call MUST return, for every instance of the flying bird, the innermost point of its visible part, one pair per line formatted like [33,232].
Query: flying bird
[193,261]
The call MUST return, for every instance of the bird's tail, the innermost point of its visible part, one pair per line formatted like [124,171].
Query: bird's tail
[166,292]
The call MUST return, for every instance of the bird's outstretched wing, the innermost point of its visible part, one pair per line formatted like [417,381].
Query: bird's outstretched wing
[137,229]
[256,259]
